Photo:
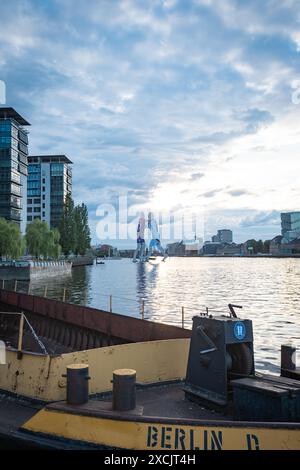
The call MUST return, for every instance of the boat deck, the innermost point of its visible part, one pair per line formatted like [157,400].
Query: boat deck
[14,412]
[158,401]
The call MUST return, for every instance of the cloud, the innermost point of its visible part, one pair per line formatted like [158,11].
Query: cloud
[211,193]
[238,192]
[157,97]
[196,176]
[261,218]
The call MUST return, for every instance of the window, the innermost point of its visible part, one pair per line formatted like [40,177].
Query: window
[33,184]
[44,181]
[37,201]
[43,197]
[29,201]
[44,189]
[34,168]
[37,217]
[29,209]
[29,218]
[33,192]
[43,205]
[57,169]
[43,214]
[36,209]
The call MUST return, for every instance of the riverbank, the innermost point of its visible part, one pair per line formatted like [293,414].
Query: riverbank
[31,270]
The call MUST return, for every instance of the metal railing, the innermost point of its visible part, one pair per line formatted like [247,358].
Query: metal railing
[64,294]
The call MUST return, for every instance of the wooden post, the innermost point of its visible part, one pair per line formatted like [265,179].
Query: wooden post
[21,329]
[143,309]
[182,317]
[64,294]
[110,303]
[16,283]
[45,291]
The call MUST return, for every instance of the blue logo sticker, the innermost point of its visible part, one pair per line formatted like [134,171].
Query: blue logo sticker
[239,330]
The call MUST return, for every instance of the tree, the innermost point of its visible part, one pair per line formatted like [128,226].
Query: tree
[11,242]
[259,246]
[74,228]
[41,241]
[54,248]
[83,237]
[16,241]
[67,227]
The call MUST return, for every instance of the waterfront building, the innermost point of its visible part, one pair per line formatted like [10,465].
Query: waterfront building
[231,249]
[279,247]
[185,247]
[176,249]
[13,166]
[223,236]
[275,245]
[290,226]
[210,248]
[193,247]
[49,182]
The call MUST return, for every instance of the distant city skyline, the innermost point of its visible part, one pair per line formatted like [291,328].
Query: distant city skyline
[186,106]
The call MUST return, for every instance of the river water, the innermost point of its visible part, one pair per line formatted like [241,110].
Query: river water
[268,289]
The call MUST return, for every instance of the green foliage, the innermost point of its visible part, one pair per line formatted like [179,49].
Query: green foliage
[11,241]
[41,241]
[259,246]
[74,228]
[83,238]
[67,227]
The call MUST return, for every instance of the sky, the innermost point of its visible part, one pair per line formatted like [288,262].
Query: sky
[185,106]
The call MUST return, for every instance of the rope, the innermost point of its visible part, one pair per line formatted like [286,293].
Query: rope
[31,329]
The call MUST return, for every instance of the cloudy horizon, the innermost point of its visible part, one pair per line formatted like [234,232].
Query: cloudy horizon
[186,106]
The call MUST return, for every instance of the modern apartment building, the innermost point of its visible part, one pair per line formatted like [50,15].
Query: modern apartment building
[290,226]
[49,182]
[13,166]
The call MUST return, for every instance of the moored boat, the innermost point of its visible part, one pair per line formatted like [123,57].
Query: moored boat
[195,390]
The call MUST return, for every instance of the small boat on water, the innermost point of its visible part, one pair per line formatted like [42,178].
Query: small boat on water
[79,378]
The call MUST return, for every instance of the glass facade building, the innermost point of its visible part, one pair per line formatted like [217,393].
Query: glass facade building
[290,226]
[13,166]
[49,182]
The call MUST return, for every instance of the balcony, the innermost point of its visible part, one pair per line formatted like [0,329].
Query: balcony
[15,177]
[23,169]
[16,202]
[15,190]
[23,148]
[23,159]
[23,136]
[15,214]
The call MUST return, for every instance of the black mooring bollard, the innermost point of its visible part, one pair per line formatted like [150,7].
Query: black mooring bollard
[124,392]
[77,384]
[288,357]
